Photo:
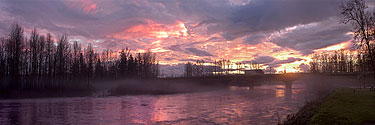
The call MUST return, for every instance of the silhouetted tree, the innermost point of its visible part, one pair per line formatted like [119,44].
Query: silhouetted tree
[355,12]
[14,47]
[39,62]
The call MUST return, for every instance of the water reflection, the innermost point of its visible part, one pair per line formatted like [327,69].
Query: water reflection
[237,105]
[14,114]
[236,88]
[288,91]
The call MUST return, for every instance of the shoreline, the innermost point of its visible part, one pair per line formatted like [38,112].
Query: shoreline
[158,86]
[343,106]
[304,115]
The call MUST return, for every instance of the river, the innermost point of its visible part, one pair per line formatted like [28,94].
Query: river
[266,104]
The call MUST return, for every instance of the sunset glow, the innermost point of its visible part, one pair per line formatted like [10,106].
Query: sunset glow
[187,62]
[178,36]
[340,46]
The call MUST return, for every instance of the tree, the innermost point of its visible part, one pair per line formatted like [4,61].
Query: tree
[49,54]
[363,22]
[76,56]
[3,64]
[188,70]
[61,55]
[14,47]
[39,62]
[123,64]
[90,58]
[99,68]
[34,38]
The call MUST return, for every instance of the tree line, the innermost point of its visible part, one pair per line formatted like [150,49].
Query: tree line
[341,61]
[200,68]
[42,62]
[362,19]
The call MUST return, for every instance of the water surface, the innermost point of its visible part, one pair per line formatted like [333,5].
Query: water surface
[266,104]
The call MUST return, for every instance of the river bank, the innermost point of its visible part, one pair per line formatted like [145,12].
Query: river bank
[347,106]
[344,106]
[155,86]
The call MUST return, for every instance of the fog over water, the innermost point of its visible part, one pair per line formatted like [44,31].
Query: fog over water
[265,104]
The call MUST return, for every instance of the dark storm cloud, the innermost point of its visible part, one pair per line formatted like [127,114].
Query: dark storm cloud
[256,20]
[52,15]
[255,39]
[57,15]
[314,36]
[274,15]
[233,21]
[198,52]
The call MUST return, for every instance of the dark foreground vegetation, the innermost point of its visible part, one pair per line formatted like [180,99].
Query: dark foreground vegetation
[41,64]
[320,86]
[347,106]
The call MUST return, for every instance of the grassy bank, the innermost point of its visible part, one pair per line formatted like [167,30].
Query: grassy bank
[305,113]
[347,106]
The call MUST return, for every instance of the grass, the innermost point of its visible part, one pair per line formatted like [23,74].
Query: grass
[347,106]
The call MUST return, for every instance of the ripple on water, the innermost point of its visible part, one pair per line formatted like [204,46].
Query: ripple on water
[238,105]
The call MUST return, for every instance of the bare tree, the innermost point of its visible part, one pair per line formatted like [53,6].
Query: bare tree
[40,63]
[14,48]
[355,12]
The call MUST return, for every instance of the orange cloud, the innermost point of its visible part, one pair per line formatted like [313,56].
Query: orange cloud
[158,37]
[153,30]
[340,46]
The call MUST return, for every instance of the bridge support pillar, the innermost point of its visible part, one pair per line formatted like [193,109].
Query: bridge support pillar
[288,85]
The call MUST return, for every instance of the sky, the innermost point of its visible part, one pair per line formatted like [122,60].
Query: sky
[277,33]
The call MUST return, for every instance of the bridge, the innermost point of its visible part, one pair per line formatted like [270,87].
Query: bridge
[253,80]
[287,79]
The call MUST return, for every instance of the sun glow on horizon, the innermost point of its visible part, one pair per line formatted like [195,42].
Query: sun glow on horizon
[340,46]
[157,38]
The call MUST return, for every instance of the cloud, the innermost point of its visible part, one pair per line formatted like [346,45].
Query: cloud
[306,38]
[279,62]
[187,29]
[198,52]
[261,60]
[188,60]
[274,15]
[255,39]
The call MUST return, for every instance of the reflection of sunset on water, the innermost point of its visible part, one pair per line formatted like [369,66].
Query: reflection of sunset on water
[166,109]
[185,62]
